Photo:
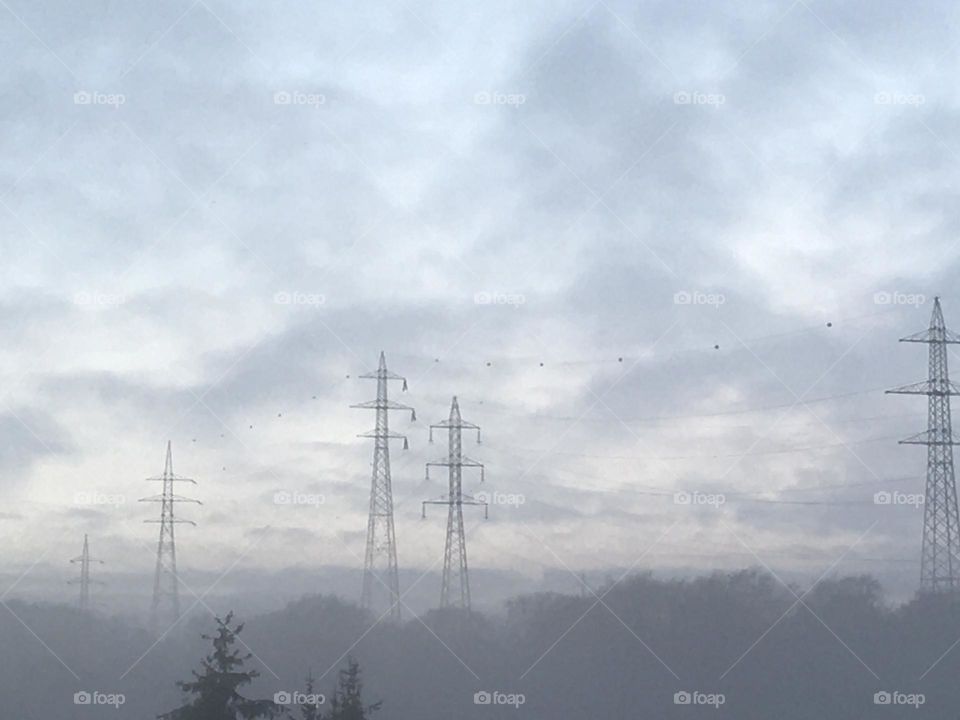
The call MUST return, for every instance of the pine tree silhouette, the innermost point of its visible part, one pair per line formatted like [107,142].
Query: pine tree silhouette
[215,687]
[347,702]
[310,711]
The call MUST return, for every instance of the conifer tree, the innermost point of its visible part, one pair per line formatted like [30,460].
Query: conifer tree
[310,711]
[347,702]
[215,688]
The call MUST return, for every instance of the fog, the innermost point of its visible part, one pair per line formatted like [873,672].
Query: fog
[657,256]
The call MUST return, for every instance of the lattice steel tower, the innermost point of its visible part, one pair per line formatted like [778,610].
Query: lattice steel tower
[84,580]
[381,553]
[940,559]
[166,594]
[455,588]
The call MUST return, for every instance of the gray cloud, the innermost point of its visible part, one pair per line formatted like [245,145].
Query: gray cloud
[203,263]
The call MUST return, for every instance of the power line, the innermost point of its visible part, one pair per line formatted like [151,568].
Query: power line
[708,456]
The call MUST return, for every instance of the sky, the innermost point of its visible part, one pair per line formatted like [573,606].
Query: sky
[653,248]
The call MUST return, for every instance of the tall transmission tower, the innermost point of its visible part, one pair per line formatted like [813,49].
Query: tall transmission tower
[84,580]
[166,596]
[940,558]
[381,553]
[455,589]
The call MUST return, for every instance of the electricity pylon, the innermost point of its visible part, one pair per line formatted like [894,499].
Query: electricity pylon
[940,556]
[84,580]
[165,580]
[455,588]
[381,553]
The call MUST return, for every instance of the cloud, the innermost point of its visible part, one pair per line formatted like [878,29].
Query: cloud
[505,200]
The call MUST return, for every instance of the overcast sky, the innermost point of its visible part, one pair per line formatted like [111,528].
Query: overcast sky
[633,238]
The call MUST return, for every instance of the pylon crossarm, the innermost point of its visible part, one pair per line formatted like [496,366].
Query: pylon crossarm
[385,374]
[932,437]
[463,425]
[164,498]
[470,500]
[423,512]
[170,522]
[438,463]
[172,478]
[933,335]
[381,405]
[374,434]
[927,387]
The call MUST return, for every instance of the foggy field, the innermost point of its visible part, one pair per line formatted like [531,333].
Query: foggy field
[710,635]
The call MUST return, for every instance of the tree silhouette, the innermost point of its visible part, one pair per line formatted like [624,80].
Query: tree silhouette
[347,702]
[215,687]
[310,711]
